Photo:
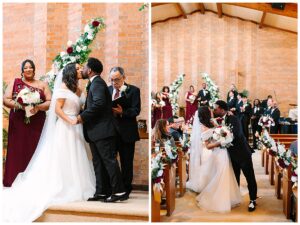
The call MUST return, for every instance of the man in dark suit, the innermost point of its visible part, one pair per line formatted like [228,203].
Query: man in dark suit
[240,152]
[231,102]
[264,103]
[256,113]
[204,96]
[246,116]
[100,131]
[125,114]
[238,106]
[275,114]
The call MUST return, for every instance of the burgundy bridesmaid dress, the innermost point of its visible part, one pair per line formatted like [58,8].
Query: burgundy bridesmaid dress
[167,109]
[190,108]
[157,114]
[22,138]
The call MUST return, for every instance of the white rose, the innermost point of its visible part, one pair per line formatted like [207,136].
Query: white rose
[72,59]
[84,48]
[78,49]
[62,54]
[87,28]
[69,43]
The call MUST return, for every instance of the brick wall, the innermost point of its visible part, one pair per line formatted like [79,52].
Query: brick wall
[45,29]
[266,59]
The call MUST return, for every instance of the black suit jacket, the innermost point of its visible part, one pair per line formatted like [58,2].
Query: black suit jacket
[231,103]
[257,114]
[131,109]
[238,106]
[98,120]
[240,152]
[276,116]
[204,97]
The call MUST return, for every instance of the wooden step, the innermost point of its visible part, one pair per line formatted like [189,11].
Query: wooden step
[135,209]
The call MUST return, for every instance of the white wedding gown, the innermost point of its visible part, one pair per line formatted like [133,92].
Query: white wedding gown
[211,173]
[59,172]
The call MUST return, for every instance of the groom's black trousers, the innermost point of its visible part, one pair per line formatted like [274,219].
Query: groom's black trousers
[107,171]
[126,153]
[247,168]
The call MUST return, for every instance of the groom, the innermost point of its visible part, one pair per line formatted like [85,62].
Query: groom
[100,131]
[240,152]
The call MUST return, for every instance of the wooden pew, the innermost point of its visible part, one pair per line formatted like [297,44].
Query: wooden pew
[169,180]
[277,181]
[295,194]
[271,169]
[181,169]
[287,191]
[155,209]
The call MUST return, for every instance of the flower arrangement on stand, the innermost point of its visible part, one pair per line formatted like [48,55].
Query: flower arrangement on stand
[77,52]
[174,93]
[212,88]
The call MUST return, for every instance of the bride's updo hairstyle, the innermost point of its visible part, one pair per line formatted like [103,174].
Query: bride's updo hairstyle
[204,115]
[70,77]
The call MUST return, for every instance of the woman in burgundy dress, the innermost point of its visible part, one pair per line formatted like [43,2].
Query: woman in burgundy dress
[156,107]
[23,137]
[167,109]
[191,103]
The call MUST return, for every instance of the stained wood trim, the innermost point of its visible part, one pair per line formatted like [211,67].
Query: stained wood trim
[219,7]
[201,7]
[182,12]
[262,20]
[290,10]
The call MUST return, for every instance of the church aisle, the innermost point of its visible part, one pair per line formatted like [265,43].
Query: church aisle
[269,208]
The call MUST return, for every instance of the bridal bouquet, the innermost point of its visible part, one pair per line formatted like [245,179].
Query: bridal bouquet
[192,98]
[266,121]
[224,135]
[29,99]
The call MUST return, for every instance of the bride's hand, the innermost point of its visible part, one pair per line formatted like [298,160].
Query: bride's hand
[74,122]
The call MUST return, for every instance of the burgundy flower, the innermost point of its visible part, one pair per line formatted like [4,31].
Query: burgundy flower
[157,180]
[224,134]
[281,163]
[95,23]
[20,101]
[294,174]
[70,50]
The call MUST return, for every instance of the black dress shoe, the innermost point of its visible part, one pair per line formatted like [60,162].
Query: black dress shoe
[116,198]
[252,205]
[98,198]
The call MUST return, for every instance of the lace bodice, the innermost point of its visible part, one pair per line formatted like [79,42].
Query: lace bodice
[73,103]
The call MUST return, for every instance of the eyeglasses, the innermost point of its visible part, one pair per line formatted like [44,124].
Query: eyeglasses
[116,80]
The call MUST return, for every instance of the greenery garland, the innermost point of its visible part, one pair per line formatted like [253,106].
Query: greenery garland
[77,52]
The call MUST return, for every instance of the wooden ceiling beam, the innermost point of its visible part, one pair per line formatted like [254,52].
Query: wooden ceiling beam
[290,9]
[262,20]
[219,7]
[201,7]
[182,12]
[158,4]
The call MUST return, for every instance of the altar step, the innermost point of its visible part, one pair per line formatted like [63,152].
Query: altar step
[134,209]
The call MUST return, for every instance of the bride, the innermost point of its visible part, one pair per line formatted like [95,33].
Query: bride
[59,170]
[212,176]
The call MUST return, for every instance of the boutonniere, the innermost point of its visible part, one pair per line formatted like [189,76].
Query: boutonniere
[124,89]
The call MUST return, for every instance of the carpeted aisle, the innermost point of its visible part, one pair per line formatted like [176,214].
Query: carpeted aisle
[269,208]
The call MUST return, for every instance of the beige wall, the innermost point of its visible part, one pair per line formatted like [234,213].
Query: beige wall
[266,59]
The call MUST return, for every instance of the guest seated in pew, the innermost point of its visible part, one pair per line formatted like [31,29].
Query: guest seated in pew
[174,128]
[161,133]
